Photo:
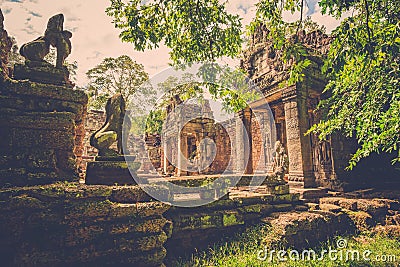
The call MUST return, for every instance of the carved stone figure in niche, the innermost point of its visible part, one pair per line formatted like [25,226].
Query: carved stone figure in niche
[280,160]
[55,36]
[323,152]
[112,129]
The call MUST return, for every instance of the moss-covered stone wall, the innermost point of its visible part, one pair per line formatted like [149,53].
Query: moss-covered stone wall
[68,224]
[196,228]
[42,132]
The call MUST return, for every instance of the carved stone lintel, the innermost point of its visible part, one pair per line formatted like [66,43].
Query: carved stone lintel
[289,93]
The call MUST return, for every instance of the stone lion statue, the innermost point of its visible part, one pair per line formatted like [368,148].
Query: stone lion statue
[112,130]
[55,36]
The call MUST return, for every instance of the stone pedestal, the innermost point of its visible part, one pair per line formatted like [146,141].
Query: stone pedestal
[42,72]
[112,171]
[41,129]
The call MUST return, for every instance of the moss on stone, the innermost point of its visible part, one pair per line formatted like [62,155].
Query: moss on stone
[31,89]
[230,219]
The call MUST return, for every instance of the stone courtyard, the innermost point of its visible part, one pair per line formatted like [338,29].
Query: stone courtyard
[69,196]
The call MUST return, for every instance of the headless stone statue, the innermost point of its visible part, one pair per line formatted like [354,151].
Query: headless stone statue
[111,166]
[55,36]
[36,69]
[112,130]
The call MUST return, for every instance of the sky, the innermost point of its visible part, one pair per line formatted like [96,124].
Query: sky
[94,36]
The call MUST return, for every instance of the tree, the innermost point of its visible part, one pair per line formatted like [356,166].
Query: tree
[118,75]
[195,30]
[362,65]
[364,76]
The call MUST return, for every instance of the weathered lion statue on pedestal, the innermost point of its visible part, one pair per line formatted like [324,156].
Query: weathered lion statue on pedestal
[55,36]
[112,130]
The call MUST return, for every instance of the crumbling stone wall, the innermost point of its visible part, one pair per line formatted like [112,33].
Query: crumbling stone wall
[196,228]
[42,130]
[41,125]
[311,162]
[5,48]
[79,225]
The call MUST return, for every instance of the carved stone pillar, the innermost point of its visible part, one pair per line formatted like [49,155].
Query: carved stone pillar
[298,145]
[247,116]
[243,142]
[182,155]
[165,154]
[240,159]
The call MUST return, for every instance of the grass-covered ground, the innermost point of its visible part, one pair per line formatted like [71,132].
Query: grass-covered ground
[246,250]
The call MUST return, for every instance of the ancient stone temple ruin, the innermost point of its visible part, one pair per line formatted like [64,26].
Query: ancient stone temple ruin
[51,218]
[196,157]
[230,155]
[48,218]
[311,162]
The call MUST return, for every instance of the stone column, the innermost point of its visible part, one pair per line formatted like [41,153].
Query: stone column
[246,117]
[165,155]
[298,145]
[182,155]
[240,159]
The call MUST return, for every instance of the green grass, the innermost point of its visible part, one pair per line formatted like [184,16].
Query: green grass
[242,249]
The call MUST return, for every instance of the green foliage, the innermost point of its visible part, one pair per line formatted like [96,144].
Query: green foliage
[195,30]
[285,35]
[233,89]
[363,71]
[138,125]
[154,121]
[242,249]
[118,75]
[186,87]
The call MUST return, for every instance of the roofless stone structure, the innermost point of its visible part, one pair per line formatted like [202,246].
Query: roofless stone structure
[312,162]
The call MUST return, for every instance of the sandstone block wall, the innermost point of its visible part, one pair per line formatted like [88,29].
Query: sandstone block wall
[196,228]
[42,132]
[67,224]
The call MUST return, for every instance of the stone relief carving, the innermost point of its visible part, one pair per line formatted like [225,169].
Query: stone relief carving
[280,160]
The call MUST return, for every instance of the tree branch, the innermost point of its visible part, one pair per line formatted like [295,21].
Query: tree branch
[301,16]
[367,20]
